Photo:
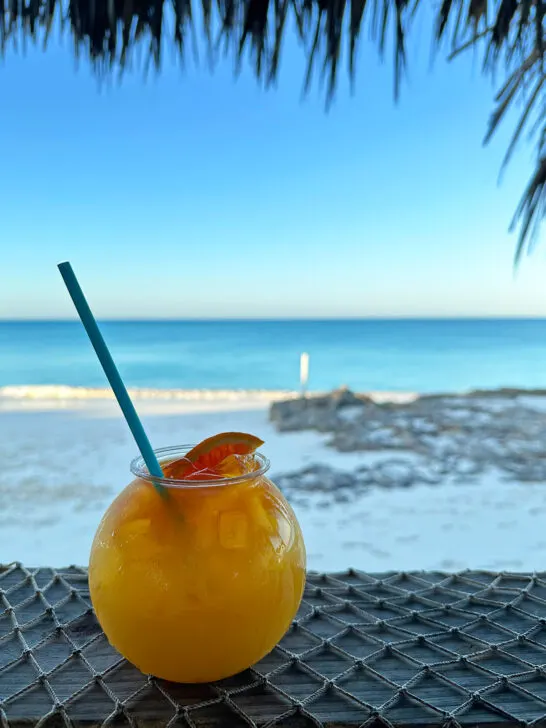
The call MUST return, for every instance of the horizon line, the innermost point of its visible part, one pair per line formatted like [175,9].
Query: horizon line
[283,319]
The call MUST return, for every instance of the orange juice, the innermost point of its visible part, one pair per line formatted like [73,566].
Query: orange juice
[202,581]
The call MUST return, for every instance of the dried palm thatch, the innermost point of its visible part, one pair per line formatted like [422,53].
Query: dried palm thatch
[510,34]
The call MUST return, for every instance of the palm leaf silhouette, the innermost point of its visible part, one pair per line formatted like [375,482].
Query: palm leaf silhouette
[509,34]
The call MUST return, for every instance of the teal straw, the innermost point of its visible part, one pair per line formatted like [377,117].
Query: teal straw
[110,369]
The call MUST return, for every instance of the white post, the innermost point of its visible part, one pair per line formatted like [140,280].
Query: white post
[304,372]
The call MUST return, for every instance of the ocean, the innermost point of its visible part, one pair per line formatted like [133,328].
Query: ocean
[65,458]
[366,355]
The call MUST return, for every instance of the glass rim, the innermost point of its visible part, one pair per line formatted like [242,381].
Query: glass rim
[139,469]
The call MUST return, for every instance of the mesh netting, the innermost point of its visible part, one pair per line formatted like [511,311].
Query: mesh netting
[397,649]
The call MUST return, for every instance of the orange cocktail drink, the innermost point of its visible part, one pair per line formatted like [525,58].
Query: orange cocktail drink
[200,578]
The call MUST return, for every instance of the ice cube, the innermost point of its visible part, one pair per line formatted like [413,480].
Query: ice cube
[233,530]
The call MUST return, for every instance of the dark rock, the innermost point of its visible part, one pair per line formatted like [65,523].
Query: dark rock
[456,436]
[393,473]
[344,397]
[320,412]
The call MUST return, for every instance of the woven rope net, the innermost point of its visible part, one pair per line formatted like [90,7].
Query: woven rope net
[391,649]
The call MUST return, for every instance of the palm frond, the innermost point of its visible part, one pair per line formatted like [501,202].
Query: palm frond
[531,209]
[357,13]
[529,107]
[516,37]
[509,33]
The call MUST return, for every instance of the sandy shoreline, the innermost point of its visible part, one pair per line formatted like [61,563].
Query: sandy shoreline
[64,458]
[248,397]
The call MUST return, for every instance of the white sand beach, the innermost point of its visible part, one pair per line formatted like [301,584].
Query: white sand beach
[66,453]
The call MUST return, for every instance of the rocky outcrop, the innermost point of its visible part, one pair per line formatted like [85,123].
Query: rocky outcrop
[454,436]
[343,487]
[320,412]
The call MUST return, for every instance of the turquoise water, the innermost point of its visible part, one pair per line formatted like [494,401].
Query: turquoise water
[404,355]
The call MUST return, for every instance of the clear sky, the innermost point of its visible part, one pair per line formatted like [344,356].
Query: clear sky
[197,195]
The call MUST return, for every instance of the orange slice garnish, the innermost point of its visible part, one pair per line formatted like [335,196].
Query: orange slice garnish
[202,462]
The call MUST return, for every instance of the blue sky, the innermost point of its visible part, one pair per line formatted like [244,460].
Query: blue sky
[197,195]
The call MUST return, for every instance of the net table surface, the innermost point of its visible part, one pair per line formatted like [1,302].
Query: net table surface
[393,649]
